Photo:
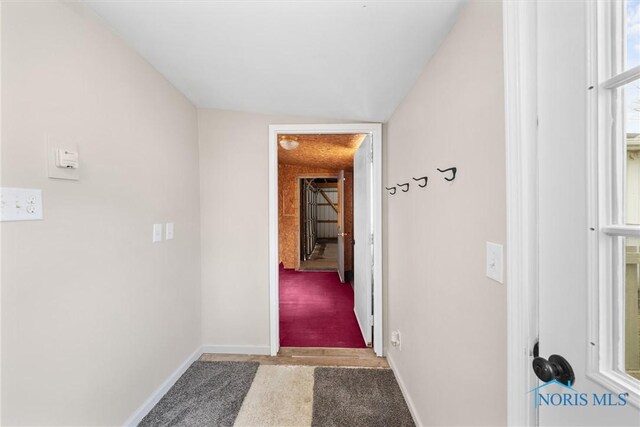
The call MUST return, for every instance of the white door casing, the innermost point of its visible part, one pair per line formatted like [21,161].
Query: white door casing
[375,132]
[341,228]
[363,248]
[520,67]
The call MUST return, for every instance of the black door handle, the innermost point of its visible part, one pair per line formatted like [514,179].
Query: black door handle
[556,368]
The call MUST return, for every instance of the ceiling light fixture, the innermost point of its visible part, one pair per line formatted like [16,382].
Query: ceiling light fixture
[289,144]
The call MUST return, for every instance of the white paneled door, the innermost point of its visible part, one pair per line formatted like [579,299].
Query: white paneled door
[582,378]
[362,233]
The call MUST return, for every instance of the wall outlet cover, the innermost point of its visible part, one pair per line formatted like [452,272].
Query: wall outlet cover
[20,204]
[169,231]
[396,340]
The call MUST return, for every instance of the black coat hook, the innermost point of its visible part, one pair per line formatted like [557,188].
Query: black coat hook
[453,170]
[392,190]
[406,184]
[425,178]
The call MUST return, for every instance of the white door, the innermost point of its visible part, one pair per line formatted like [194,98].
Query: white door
[341,232]
[564,224]
[362,250]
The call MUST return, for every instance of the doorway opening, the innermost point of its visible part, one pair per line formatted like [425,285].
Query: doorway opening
[317,303]
[325,194]
[319,208]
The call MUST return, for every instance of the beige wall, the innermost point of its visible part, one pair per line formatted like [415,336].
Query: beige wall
[234,198]
[94,316]
[452,318]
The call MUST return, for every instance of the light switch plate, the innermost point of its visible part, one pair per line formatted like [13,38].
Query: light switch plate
[53,171]
[169,231]
[495,262]
[20,204]
[157,233]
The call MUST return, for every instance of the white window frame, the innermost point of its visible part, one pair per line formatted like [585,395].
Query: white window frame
[606,180]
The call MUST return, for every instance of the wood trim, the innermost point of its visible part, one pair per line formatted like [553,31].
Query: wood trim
[520,65]
[300,177]
[363,360]
[324,195]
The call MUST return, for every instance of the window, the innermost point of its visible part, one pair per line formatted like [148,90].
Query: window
[615,195]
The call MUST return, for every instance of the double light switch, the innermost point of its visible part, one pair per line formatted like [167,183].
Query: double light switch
[157,232]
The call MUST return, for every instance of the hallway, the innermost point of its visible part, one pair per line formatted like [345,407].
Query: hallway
[323,258]
[316,310]
[161,159]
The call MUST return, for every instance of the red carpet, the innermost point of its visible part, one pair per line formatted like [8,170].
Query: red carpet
[316,310]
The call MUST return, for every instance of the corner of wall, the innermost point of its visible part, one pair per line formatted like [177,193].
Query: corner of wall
[403,388]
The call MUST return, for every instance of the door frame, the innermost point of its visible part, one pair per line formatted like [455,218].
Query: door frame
[298,178]
[375,130]
[520,80]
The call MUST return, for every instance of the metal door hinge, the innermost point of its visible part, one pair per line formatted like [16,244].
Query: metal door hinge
[371,239]
[371,320]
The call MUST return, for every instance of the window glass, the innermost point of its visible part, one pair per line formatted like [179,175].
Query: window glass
[632,199]
[632,307]
[631,123]
[632,33]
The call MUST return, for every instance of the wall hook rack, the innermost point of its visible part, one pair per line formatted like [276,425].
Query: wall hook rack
[425,178]
[406,184]
[452,170]
[392,190]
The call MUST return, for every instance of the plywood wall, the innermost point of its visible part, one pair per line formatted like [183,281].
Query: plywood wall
[289,211]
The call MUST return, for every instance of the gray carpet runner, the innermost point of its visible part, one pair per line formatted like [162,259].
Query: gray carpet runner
[250,394]
[207,394]
[358,398]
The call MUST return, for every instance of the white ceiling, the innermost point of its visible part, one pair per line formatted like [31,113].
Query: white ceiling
[352,60]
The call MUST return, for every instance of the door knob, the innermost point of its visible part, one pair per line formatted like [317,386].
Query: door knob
[556,368]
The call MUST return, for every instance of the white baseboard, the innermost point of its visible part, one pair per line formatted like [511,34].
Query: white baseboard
[405,392]
[237,349]
[155,397]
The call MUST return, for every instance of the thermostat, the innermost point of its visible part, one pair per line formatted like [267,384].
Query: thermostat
[63,158]
[66,158]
